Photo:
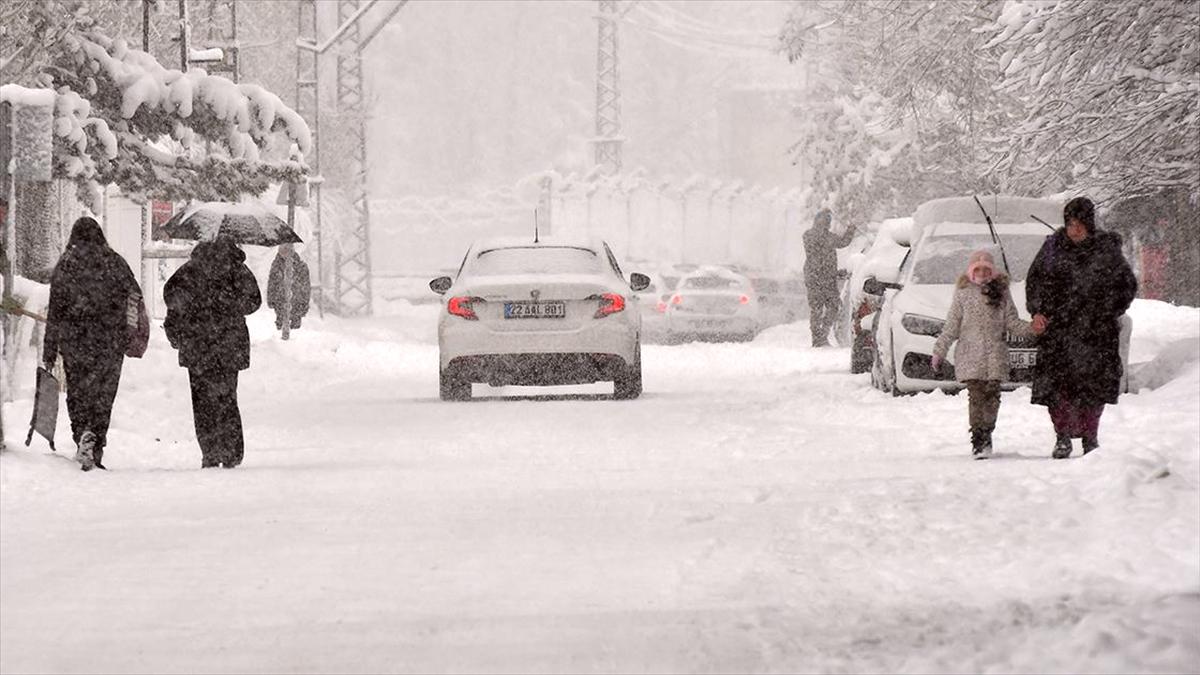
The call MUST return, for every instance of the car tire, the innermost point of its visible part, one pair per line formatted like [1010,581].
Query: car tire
[860,355]
[453,387]
[628,384]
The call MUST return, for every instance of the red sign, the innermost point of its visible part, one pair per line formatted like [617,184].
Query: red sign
[160,212]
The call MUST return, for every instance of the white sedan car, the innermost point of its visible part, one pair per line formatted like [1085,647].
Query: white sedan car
[550,312]
[713,303]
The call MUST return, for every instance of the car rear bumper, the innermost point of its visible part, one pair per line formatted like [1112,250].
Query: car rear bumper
[459,338]
[538,369]
[712,324]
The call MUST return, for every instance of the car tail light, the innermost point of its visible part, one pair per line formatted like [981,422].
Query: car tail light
[610,303]
[461,306]
[677,300]
[745,299]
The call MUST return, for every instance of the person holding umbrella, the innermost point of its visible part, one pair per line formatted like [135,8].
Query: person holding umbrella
[207,300]
[92,291]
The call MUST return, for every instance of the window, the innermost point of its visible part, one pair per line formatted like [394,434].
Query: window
[612,260]
[535,260]
[711,283]
[943,259]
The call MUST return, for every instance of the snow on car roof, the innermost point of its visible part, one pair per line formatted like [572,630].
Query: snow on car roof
[1002,209]
[492,243]
[715,271]
[948,229]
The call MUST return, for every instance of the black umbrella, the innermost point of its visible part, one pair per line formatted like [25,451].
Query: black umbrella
[245,223]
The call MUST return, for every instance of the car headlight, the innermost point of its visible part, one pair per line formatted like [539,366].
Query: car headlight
[922,325]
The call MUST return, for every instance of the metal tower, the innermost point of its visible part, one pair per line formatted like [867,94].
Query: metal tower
[308,105]
[352,261]
[608,90]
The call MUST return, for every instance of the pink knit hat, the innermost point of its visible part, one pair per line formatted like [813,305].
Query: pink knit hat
[979,264]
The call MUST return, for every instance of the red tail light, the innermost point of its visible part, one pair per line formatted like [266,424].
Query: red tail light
[661,307]
[610,303]
[677,300]
[745,299]
[461,306]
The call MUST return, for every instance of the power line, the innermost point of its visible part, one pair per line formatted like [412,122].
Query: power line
[665,29]
[689,21]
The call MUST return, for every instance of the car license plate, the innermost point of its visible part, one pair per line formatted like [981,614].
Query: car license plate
[535,310]
[1022,358]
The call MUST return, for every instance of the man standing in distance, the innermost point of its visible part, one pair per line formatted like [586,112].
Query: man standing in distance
[820,274]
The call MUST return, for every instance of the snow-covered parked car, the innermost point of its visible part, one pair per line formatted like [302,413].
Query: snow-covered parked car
[713,303]
[552,312]
[881,260]
[914,309]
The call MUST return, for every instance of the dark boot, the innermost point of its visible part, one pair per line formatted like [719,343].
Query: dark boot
[985,445]
[981,443]
[1062,447]
[1090,444]
[87,444]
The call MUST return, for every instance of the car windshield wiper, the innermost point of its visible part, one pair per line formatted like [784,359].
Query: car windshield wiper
[995,237]
[1052,228]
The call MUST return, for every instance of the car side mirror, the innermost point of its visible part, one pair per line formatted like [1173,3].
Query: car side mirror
[441,284]
[639,281]
[873,286]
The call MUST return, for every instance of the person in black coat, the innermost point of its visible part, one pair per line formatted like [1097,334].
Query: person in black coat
[207,300]
[821,273]
[277,292]
[1078,287]
[91,292]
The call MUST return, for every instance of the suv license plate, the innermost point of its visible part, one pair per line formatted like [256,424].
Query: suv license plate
[1022,358]
[535,310]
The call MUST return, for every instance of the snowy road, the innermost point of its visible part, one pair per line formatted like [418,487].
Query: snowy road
[759,509]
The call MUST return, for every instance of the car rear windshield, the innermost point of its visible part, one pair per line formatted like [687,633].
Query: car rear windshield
[535,260]
[711,283]
[943,259]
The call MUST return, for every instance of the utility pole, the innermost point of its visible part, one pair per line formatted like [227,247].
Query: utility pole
[608,90]
[146,26]
[185,29]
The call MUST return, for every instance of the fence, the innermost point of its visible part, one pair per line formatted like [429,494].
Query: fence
[659,222]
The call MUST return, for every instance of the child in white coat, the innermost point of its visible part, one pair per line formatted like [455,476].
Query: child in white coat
[981,316]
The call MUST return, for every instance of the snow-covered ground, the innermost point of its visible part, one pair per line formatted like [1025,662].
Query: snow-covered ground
[759,509]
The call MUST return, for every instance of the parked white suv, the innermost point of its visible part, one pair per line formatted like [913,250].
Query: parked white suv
[914,308]
[549,312]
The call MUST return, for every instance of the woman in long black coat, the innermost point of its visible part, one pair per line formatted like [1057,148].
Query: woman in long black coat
[88,323]
[207,300]
[1078,287]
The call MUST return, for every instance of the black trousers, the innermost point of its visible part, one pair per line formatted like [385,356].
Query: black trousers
[983,403]
[822,311]
[218,420]
[91,389]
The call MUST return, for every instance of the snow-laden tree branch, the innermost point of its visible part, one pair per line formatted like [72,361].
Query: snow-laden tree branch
[1131,74]
[121,117]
